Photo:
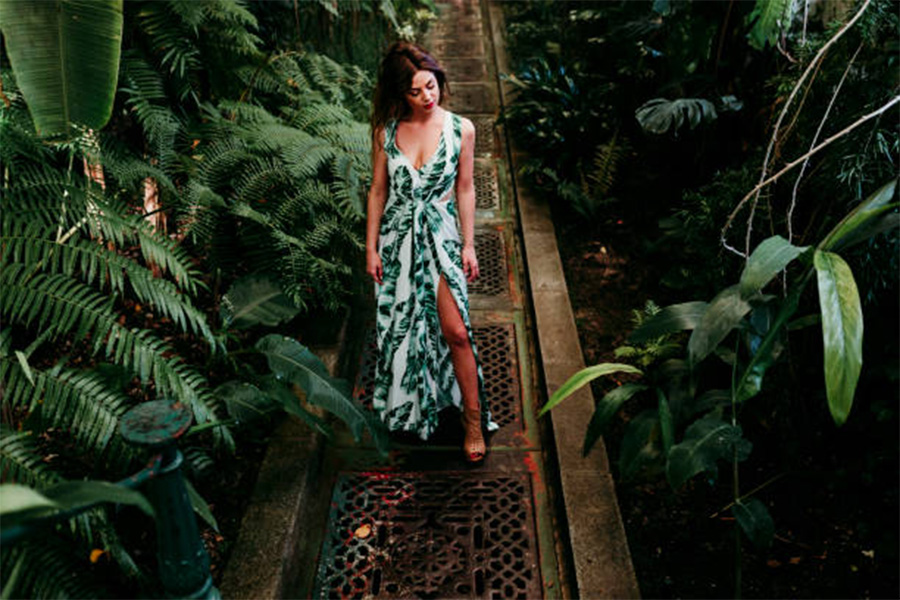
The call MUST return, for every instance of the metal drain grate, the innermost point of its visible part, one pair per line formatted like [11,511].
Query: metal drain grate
[435,535]
[487,190]
[496,345]
[485,141]
[494,278]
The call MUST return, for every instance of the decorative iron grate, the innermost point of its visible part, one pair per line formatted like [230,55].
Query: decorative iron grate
[487,190]
[485,137]
[432,535]
[496,345]
[492,263]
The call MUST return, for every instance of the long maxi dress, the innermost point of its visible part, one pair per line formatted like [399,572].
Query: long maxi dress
[418,243]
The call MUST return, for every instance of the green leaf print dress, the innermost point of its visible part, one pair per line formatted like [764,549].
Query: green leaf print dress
[418,242]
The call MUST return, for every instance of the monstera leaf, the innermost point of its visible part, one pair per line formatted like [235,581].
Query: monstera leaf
[661,115]
[65,56]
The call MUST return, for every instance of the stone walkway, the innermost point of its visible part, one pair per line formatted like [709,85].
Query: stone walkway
[422,523]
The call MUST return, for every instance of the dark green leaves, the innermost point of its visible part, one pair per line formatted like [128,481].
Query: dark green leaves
[606,408]
[767,260]
[842,330]
[291,361]
[582,378]
[754,518]
[677,317]
[660,115]
[65,55]
[256,300]
[724,313]
[865,220]
[705,442]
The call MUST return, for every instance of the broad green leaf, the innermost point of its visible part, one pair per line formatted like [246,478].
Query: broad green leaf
[582,378]
[666,427]
[677,317]
[770,18]
[722,315]
[709,400]
[750,381]
[754,518]
[16,498]
[639,444]
[766,261]
[705,442]
[660,115]
[863,220]
[842,331]
[200,506]
[286,397]
[244,401]
[256,300]
[65,56]
[606,408]
[293,362]
[75,494]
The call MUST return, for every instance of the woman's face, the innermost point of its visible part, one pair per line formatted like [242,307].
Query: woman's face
[424,93]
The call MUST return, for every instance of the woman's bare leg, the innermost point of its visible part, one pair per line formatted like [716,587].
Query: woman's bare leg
[454,330]
[457,337]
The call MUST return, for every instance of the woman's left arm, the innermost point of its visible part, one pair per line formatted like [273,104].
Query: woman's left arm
[465,199]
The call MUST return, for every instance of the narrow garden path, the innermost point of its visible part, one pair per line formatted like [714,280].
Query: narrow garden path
[422,523]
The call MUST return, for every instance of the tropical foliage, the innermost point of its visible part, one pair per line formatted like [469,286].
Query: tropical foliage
[163,255]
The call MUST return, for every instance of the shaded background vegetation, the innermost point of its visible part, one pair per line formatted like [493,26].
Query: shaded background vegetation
[647,122]
[222,203]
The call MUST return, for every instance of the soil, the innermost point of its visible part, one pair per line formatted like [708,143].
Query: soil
[833,493]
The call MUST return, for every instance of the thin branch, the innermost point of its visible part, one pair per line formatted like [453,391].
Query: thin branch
[837,90]
[793,164]
[787,104]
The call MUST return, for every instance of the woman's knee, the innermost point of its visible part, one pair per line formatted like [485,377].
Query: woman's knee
[457,337]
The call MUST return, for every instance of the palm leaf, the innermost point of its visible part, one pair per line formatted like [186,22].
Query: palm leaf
[47,43]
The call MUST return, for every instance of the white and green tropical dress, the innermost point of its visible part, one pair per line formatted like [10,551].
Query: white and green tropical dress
[418,243]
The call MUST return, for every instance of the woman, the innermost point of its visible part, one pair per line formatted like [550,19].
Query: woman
[421,155]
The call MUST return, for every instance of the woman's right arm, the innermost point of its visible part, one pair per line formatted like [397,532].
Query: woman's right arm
[375,206]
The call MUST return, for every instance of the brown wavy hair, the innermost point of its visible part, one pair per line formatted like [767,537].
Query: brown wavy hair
[394,79]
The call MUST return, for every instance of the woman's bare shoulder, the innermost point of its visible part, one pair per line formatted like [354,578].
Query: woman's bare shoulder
[468,128]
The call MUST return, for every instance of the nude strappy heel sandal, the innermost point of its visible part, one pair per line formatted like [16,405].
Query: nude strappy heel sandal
[473,444]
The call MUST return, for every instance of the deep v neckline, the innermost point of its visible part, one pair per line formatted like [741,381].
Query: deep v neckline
[433,154]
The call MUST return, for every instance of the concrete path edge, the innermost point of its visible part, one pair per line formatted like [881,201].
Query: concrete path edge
[599,546]
[281,529]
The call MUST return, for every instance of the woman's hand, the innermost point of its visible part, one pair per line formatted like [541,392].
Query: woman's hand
[470,263]
[373,266]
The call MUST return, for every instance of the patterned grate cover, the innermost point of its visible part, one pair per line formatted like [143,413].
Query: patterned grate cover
[487,191]
[497,350]
[434,535]
[494,278]
[485,141]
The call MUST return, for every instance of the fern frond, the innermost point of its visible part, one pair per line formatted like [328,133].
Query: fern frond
[62,305]
[49,569]
[76,401]
[22,462]
[606,163]
[95,264]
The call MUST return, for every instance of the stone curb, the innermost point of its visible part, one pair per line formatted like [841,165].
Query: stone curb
[598,545]
[281,530]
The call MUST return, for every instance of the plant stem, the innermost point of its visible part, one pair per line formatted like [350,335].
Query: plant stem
[735,473]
